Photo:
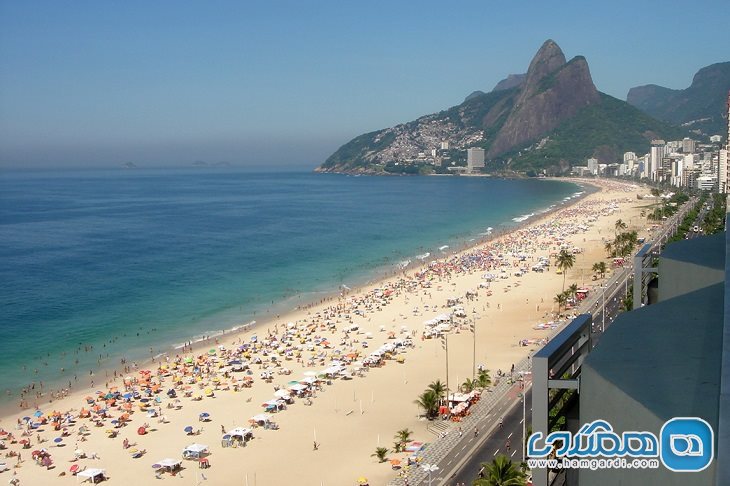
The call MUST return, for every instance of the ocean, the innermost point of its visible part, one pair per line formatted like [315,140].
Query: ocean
[96,265]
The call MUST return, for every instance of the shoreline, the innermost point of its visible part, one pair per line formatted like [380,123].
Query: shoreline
[279,310]
[385,394]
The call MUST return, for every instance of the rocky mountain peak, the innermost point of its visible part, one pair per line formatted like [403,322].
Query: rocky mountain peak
[553,91]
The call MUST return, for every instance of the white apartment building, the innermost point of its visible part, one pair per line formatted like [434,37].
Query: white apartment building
[474,158]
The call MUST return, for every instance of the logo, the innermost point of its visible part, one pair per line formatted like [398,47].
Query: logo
[686,444]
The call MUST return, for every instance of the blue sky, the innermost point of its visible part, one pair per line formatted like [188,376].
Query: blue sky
[286,83]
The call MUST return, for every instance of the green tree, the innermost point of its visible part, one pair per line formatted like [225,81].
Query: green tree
[572,289]
[403,436]
[483,379]
[600,267]
[501,472]
[565,261]
[468,385]
[381,453]
[560,299]
[438,388]
[620,225]
[429,402]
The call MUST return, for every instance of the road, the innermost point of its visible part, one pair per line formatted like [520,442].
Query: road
[496,442]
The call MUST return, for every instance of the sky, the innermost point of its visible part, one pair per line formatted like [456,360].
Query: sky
[285,83]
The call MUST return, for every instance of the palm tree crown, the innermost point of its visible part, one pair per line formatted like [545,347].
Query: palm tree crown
[501,472]
[565,261]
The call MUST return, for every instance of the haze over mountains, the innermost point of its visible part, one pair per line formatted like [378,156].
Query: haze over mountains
[549,118]
[699,107]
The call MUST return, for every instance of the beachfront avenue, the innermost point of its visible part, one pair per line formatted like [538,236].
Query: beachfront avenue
[684,444]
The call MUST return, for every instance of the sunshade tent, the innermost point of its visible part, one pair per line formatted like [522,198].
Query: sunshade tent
[240,432]
[90,474]
[171,463]
[195,451]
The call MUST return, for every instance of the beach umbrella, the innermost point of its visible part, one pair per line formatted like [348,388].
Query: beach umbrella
[188,429]
[204,415]
[37,413]
[74,469]
[27,419]
[58,440]
[362,480]
[156,466]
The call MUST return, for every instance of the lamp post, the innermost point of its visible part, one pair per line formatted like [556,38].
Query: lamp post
[429,468]
[474,348]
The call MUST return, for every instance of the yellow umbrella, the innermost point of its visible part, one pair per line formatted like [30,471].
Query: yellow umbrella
[362,480]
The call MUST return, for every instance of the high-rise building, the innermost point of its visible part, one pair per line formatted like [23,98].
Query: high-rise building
[474,158]
[629,156]
[723,171]
[592,166]
[688,145]
[658,149]
[445,145]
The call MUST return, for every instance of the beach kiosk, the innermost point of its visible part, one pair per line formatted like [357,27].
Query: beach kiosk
[195,451]
[94,475]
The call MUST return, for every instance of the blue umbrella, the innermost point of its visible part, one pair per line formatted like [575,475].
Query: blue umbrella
[188,429]
[37,413]
[58,439]
[205,415]
[127,396]
[27,419]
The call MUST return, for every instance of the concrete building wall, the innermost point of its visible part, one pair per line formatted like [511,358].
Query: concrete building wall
[689,265]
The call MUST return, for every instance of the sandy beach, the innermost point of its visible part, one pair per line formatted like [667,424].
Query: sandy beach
[360,403]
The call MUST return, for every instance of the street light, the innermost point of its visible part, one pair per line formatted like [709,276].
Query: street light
[429,468]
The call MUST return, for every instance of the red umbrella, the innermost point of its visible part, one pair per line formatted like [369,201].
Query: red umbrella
[74,469]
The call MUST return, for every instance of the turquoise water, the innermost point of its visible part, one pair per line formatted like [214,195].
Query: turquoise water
[97,265]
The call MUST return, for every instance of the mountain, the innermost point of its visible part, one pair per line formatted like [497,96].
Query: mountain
[511,81]
[700,107]
[551,117]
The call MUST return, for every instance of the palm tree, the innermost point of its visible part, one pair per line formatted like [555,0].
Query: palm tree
[620,225]
[381,453]
[483,379]
[403,436]
[564,262]
[429,402]
[501,472]
[599,267]
[560,299]
[438,388]
[609,248]
[468,385]
[572,289]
